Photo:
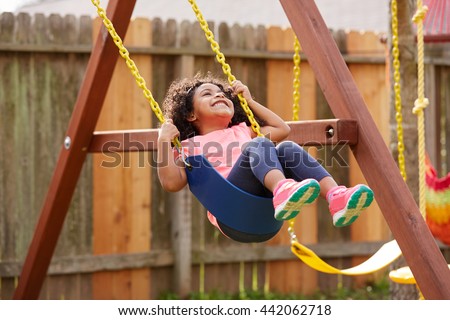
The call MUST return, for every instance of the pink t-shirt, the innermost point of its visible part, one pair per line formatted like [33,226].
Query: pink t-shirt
[221,148]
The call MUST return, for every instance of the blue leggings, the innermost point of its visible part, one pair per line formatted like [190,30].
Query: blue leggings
[259,157]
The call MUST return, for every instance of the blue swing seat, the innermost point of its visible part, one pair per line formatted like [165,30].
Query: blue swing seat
[230,205]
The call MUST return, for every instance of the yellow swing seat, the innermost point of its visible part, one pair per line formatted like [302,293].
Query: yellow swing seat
[388,253]
[403,275]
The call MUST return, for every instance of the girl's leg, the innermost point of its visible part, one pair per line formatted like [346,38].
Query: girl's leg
[250,169]
[258,170]
[260,158]
[300,165]
[345,204]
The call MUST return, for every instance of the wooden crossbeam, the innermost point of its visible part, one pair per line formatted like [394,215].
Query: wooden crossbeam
[73,154]
[393,196]
[306,133]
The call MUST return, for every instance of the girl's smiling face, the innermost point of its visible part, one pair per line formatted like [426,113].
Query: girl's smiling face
[211,105]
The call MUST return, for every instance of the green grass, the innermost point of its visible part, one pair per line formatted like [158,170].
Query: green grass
[372,291]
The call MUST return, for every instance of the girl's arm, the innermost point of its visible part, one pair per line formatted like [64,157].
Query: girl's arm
[275,128]
[171,172]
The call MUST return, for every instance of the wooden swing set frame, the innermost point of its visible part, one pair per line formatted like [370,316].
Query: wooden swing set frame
[354,124]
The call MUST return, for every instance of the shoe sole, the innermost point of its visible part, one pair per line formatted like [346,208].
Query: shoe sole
[304,195]
[358,201]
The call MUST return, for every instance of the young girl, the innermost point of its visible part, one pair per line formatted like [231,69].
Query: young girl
[205,114]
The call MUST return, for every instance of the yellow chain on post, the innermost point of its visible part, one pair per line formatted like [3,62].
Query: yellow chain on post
[295,111]
[291,231]
[421,103]
[225,66]
[397,90]
[296,82]
[130,64]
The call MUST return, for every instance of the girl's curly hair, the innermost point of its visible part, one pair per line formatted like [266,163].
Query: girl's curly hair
[178,103]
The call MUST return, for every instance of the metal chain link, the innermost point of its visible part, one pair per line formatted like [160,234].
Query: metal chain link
[225,66]
[397,90]
[296,82]
[131,65]
[295,113]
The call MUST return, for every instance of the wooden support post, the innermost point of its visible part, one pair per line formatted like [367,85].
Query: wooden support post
[73,153]
[181,213]
[179,207]
[395,200]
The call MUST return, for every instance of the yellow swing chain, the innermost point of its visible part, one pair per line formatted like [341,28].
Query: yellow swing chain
[296,82]
[131,65]
[220,57]
[397,90]
[295,111]
[421,103]
[402,275]
[225,66]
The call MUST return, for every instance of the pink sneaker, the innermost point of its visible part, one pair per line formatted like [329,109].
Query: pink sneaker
[290,196]
[346,204]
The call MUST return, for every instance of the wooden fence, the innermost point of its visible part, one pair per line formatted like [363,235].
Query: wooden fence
[125,238]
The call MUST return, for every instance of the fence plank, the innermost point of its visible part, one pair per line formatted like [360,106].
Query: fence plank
[364,44]
[39,105]
[122,210]
[164,34]
[280,100]
[371,82]
[87,264]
